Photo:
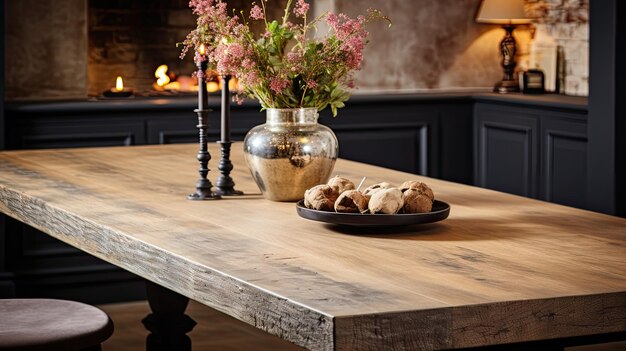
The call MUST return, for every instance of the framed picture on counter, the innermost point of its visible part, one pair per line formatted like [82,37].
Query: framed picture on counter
[543,57]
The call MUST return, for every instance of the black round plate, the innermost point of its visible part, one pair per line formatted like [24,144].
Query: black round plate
[440,211]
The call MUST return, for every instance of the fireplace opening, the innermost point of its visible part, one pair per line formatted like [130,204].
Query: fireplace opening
[136,39]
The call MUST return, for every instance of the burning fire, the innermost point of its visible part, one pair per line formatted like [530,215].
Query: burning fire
[161,75]
[164,77]
[119,84]
[168,81]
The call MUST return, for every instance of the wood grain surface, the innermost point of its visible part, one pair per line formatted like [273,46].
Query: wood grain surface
[500,269]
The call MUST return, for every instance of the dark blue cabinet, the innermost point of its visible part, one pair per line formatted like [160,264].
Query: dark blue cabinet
[533,152]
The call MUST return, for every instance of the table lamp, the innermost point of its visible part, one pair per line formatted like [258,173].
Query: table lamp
[508,13]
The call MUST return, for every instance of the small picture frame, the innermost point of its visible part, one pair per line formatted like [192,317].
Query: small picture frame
[543,57]
[533,82]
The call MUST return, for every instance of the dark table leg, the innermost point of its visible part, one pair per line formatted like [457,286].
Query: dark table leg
[168,324]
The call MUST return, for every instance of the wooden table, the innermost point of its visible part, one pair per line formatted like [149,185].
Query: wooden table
[501,269]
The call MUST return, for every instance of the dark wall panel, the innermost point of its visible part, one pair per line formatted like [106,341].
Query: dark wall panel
[564,162]
[455,143]
[506,151]
[607,100]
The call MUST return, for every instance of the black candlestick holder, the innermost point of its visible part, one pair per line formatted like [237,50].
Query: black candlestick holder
[203,185]
[225,185]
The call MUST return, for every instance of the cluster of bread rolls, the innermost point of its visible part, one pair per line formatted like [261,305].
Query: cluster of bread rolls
[340,195]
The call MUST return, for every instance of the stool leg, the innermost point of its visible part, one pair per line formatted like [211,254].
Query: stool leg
[168,324]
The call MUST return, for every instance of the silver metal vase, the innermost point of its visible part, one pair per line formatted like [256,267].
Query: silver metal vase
[290,153]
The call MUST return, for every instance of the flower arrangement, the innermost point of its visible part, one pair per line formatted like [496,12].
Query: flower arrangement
[285,66]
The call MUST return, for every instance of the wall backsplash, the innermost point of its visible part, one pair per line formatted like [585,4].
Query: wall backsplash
[436,44]
[566,23]
[432,45]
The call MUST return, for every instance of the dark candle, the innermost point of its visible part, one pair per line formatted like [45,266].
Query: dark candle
[225,130]
[203,100]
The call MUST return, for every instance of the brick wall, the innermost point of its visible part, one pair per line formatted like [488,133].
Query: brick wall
[131,38]
[565,23]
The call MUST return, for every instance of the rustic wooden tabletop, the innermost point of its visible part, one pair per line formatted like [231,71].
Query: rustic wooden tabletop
[500,269]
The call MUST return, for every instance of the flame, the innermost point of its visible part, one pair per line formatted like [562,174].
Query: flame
[161,75]
[173,86]
[202,49]
[233,84]
[212,87]
[119,84]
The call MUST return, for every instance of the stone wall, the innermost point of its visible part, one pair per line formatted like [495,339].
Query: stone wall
[46,45]
[432,44]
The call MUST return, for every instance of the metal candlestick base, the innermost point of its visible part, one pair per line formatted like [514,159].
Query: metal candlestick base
[225,185]
[203,185]
[203,192]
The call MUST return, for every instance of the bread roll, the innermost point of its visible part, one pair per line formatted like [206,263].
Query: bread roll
[340,184]
[351,201]
[320,197]
[388,201]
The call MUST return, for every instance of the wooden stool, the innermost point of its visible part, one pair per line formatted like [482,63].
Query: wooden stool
[52,325]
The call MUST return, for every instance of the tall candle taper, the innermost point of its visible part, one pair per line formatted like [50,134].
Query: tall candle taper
[225,127]
[225,185]
[203,185]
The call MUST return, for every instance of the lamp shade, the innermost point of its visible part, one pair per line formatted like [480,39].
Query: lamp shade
[502,12]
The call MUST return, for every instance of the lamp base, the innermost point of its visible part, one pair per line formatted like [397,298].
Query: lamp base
[506,86]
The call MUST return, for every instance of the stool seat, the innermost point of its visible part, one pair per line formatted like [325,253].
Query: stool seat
[47,324]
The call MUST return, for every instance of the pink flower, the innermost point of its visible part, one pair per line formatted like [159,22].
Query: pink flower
[238,99]
[247,63]
[229,57]
[294,58]
[311,84]
[250,79]
[197,58]
[353,47]
[257,12]
[278,84]
[343,25]
[301,8]
[201,7]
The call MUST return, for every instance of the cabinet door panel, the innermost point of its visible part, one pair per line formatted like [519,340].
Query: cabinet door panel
[506,150]
[401,149]
[61,134]
[171,129]
[564,162]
